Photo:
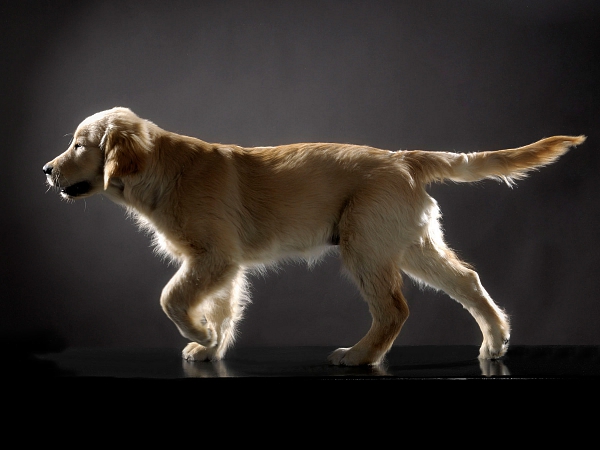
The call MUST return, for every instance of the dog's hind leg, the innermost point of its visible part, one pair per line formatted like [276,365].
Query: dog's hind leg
[381,286]
[437,266]
[205,302]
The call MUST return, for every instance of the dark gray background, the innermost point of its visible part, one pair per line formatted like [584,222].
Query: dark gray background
[460,75]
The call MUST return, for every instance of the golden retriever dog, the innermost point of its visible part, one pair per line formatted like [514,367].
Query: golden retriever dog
[221,210]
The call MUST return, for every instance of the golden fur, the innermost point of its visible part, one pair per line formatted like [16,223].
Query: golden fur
[219,210]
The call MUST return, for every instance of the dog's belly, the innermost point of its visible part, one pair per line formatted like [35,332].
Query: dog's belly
[309,244]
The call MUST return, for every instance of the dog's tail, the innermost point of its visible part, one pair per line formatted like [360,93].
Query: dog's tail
[505,165]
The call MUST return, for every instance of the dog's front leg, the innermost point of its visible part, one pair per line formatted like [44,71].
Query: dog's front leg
[203,299]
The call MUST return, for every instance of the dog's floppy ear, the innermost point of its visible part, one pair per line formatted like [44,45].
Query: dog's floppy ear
[126,144]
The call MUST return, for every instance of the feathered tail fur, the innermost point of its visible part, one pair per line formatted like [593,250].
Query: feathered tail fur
[505,165]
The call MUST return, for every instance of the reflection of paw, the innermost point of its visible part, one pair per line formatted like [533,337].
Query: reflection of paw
[196,352]
[350,357]
[493,368]
[206,370]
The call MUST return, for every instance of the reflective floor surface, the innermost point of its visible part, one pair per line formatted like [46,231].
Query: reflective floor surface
[402,362]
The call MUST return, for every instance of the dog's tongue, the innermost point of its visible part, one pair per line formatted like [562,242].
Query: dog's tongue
[77,189]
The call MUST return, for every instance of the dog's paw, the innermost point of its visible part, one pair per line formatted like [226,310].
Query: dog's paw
[337,356]
[350,357]
[493,350]
[196,352]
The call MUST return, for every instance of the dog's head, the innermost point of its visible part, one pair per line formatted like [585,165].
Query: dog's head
[106,147]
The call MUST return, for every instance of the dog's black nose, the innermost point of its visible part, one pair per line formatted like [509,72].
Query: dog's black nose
[47,169]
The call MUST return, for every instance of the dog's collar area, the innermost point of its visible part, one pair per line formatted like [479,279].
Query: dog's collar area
[77,189]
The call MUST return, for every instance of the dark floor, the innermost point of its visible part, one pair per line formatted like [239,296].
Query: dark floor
[402,362]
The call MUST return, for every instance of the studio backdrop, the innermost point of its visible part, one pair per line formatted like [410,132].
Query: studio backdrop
[457,76]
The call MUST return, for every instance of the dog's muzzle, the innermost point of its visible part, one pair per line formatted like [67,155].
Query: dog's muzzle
[73,190]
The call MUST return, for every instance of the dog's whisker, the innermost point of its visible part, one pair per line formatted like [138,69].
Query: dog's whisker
[71,140]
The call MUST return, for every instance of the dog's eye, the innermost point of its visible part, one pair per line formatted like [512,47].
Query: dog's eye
[78,146]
